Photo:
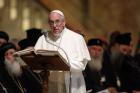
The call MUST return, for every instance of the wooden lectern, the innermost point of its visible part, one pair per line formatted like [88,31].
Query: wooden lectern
[45,60]
[49,62]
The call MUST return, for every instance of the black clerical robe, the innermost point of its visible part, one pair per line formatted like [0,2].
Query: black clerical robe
[93,77]
[27,83]
[129,75]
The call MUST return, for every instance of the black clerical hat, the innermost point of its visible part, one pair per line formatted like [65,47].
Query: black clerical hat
[95,41]
[124,39]
[24,43]
[112,38]
[33,33]
[32,36]
[4,35]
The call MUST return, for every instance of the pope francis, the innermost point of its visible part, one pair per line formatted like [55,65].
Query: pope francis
[70,45]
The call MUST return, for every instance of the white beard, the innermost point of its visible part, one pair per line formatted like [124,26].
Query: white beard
[55,36]
[13,68]
[96,64]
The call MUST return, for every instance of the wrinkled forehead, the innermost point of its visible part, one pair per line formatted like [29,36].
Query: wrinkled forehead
[11,50]
[2,39]
[54,15]
[96,47]
[123,46]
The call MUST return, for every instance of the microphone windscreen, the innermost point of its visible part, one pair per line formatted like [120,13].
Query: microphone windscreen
[44,32]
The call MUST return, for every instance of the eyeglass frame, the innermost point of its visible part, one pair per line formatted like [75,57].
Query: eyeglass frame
[56,22]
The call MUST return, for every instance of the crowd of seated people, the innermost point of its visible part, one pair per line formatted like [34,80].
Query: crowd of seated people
[112,68]
[16,77]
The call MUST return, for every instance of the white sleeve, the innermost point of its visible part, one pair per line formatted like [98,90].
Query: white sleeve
[77,65]
[79,61]
[38,44]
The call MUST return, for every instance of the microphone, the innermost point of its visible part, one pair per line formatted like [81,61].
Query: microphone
[45,32]
[3,88]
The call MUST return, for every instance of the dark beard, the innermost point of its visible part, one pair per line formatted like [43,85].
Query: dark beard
[13,68]
[114,56]
[117,61]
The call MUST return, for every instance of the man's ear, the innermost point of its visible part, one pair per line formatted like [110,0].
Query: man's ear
[64,23]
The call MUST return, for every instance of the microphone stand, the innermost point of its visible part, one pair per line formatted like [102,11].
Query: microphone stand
[3,88]
[45,35]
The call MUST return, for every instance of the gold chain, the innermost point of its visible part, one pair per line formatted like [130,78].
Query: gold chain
[18,84]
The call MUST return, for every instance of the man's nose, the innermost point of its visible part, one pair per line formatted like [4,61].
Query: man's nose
[54,24]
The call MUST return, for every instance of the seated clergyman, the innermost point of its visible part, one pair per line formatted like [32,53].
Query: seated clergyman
[15,78]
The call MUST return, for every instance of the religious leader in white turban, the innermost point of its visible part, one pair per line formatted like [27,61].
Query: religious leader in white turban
[71,45]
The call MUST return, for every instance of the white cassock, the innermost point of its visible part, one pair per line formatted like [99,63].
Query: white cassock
[75,47]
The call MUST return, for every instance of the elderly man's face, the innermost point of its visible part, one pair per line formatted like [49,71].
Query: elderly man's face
[9,55]
[11,64]
[125,49]
[96,51]
[2,41]
[57,23]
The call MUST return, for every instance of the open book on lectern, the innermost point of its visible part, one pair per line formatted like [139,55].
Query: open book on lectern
[43,59]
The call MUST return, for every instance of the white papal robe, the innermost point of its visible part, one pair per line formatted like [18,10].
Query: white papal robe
[75,47]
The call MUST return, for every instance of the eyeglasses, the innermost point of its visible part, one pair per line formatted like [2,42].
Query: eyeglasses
[56,22]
